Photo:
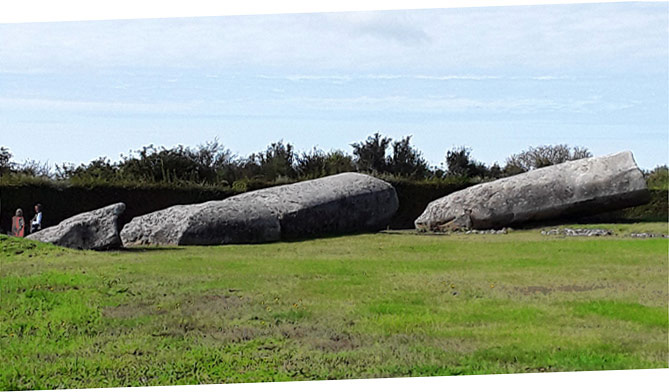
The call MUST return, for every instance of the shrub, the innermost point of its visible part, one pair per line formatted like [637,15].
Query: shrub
[460,164]
[5,161]
[658,178]
[542,156]
[406,161]
[370,155]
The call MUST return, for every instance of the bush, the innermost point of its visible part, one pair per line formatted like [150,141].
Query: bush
[5,161]
[542,156]
[316,164]
[370,155]
[658,178]
[277,161]
[406,161]
[460,164]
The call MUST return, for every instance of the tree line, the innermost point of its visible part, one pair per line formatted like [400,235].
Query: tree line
[211,163]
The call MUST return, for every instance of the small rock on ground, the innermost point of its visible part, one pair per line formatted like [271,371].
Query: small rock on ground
[490,231]
[578,232]
[648,235]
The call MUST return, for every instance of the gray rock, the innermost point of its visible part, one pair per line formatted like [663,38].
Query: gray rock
[343,203]
[490,231]
[578,232]
[584,186]
[648,235]
[97,230]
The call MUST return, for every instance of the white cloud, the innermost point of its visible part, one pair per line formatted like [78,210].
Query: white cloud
[439,104]
[399,27]
[301,78]
[598,36]
[272,106]
[19,105]
[351,78]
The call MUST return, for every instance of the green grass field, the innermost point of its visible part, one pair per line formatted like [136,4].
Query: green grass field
[376,305]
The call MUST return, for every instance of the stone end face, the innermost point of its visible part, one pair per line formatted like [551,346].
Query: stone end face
[585,186]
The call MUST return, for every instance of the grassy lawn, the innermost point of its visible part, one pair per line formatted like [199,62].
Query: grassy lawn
[377,305]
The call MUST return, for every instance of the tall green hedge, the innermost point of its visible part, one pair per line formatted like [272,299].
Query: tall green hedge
[61,201]
[656,210]
[414,196]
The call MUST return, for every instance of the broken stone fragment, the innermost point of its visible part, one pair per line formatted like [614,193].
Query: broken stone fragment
[585,186]
[97,230]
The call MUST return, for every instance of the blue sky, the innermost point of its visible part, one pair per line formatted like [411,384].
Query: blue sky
[496,79]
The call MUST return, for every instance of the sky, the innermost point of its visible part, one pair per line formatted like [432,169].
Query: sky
[495,79]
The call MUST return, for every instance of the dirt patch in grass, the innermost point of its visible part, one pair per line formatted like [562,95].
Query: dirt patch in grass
[574,288]
[212,304]
[529,290]
[131,310]
[293,331]
[320,338]
[336,342]
[206,315]
[236,334]
[214,315]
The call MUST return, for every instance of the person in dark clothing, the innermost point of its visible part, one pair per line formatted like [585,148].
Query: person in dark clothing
[36,221]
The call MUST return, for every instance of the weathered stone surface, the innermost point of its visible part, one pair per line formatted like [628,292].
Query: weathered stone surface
[585,186]
[338,204]
[97,230]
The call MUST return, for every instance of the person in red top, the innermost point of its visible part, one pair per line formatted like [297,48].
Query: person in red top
[18,224]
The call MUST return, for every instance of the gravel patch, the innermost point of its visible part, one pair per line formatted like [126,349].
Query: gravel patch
[648,235]
[490,231]
[578,232]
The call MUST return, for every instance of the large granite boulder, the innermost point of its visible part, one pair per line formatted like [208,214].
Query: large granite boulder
[343,203]
[97,230]
[585,186]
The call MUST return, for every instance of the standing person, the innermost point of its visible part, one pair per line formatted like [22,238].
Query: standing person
[18,224]
[36,221]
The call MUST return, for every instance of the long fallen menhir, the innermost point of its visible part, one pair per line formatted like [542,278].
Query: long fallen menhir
[585,186]
[339,204]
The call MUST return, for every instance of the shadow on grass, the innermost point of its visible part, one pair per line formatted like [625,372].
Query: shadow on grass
[148,249]
[305,238]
